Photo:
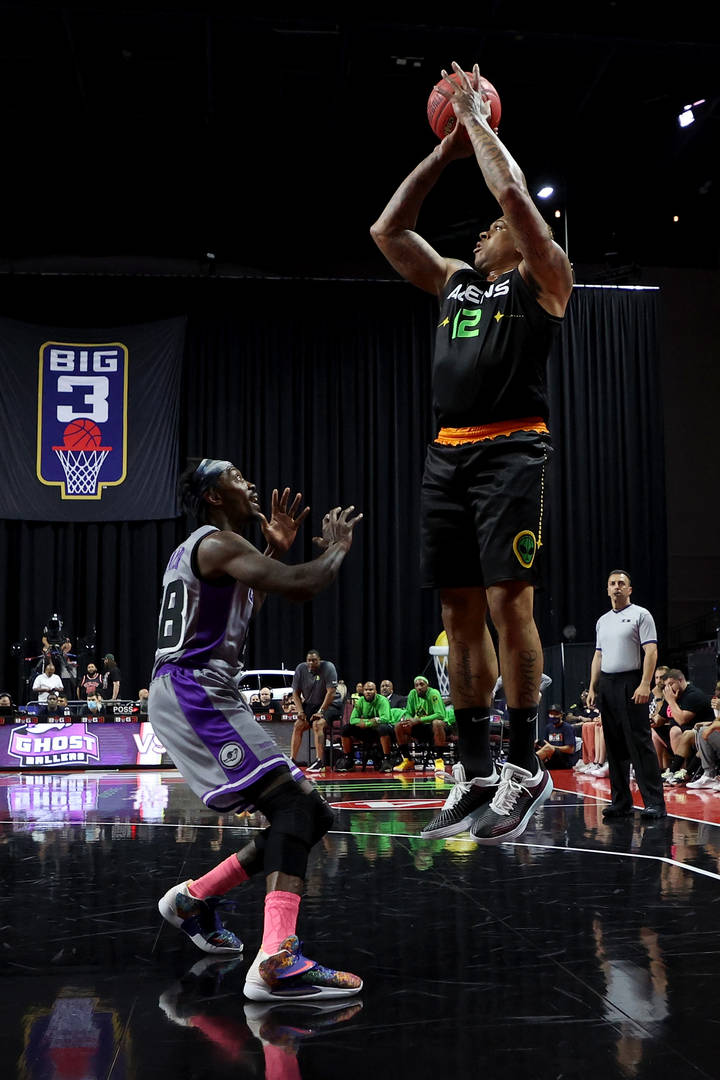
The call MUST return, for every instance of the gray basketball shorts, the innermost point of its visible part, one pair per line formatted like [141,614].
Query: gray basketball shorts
[212,736]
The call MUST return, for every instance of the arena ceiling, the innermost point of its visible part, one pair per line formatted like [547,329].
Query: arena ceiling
[155,133]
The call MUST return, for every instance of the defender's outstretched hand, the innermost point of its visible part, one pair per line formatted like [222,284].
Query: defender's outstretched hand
[337,528]
[281,529]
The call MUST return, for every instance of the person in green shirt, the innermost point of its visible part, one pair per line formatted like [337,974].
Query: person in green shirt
[369,722]
[424,719]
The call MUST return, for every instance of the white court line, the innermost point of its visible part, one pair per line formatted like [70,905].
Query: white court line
[623,854]
[409,836]
[671,813]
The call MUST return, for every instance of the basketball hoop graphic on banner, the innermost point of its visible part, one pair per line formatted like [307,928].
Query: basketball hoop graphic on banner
[82,417]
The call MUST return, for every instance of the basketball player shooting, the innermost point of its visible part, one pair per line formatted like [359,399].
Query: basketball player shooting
[213,582]
[485,473]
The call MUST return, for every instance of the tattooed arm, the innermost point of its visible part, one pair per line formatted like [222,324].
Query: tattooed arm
[394,231]
[544,264]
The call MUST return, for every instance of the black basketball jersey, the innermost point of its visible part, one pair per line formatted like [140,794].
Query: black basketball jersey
[491,350]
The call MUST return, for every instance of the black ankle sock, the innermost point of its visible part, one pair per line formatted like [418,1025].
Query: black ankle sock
[473,727]
[676,763]
[523,724]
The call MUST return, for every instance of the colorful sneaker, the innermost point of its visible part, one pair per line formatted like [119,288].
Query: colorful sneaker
[462,806]
[518,796]
[200,920]
[405,765]
[679,777]
[439,766]
[666,776]
[704,781]
[316,766]
[287,975]
[286,1024]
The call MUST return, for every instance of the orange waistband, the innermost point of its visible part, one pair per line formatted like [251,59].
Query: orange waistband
[454,436]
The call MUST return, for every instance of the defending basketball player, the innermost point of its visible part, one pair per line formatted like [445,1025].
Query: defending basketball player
[212,583]
[485,473]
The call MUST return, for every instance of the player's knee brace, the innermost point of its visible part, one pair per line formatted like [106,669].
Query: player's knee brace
[297,821]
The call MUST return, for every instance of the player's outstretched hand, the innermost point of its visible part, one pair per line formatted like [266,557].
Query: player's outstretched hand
[281,529]
[337,528]
[467,96]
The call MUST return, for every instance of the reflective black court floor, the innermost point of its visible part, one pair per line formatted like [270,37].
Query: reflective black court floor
[583,950]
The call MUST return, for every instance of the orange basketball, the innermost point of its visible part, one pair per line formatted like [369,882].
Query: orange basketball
[82,434]
[441,114]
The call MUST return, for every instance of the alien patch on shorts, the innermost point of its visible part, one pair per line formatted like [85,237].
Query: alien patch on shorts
[525,546]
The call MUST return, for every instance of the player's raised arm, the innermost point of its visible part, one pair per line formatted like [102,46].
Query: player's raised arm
[226,553]
[394,231]
[544,264]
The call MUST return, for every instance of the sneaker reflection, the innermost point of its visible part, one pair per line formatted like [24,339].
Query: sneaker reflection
[281,1027]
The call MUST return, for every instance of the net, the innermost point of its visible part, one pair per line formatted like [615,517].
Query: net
[439,654]
[81,469]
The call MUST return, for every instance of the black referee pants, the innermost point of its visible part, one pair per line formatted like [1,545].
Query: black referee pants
[628,739]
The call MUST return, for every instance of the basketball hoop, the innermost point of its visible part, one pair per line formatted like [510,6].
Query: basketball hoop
[81,456]
[439,654]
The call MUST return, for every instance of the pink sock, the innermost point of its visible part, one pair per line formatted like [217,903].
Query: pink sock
[217,882]
[280,1063]
[281,912]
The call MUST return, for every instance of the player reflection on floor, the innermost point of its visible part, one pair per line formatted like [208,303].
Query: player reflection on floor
[281,1027]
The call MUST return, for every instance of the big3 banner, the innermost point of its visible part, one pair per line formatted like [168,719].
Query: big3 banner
[89,421]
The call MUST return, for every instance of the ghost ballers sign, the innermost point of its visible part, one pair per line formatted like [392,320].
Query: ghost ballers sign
[89,421]
[47,746]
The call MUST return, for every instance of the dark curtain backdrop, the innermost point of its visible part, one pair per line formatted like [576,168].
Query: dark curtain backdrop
[607,509]
[324,386]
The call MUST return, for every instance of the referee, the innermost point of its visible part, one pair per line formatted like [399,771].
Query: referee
[622,670]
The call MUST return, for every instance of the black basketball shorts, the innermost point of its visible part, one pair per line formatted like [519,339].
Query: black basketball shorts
[482,507]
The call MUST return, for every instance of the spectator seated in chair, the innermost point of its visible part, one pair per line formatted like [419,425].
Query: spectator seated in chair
[94,706]
[557,749]
[660,722]
[588,723]
[266,708]
[707,742]
[397,701]
[289,709]
[50,710]
[424,719]
[369,724]
[63,705]
[689,708]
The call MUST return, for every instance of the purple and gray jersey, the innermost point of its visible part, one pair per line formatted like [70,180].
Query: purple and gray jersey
[203,624]
[195,705]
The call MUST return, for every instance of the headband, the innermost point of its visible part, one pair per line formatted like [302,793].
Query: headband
[205,476]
